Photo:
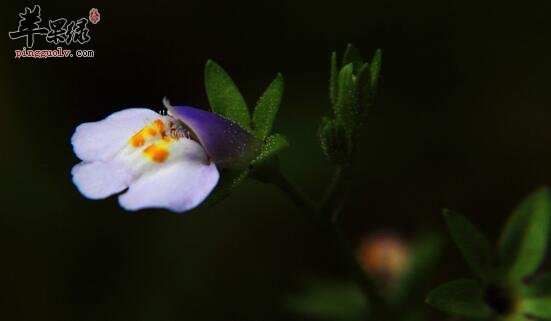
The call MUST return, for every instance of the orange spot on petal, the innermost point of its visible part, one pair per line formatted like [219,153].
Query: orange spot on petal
[156,153]
[151,131]
[138,139]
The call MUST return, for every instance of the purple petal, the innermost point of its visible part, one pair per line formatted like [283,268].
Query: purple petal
[226,143]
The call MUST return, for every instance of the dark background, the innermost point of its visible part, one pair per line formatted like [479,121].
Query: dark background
[462,121]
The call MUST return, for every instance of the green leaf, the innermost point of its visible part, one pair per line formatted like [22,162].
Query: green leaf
[329,300]
[376,69]
[333,86]
[365,92]
[346,109]
[224,96]
[523,242]
[352,56]
[327,137]
[538,287]
[539,307]
[464,297]
[425,254]
[267,107]
[333,140]
[474,246]
[273,145]
[516,317]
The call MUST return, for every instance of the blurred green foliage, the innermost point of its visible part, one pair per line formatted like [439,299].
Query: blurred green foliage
[329,300]
[504,289]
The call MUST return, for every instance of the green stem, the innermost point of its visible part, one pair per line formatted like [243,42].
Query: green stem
[297,196]
[330,204]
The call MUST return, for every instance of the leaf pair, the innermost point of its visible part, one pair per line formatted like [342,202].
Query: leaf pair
[352,87]
[225,99]
[502,270]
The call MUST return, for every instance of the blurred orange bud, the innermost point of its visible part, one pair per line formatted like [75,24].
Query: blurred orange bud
[384,256]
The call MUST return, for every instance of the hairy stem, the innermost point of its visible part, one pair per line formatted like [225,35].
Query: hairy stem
[297,196]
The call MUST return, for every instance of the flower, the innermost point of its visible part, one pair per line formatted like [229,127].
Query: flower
[161,160]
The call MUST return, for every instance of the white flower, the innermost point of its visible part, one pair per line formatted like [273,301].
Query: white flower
[151,156]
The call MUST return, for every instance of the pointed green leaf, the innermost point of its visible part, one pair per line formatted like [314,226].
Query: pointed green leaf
[474,246]
[464,297]
[333,79]
[267,107]
[365,92]
[376,69]
[346,109]
[352,56]
[224,96]
[523,242]
[273,145]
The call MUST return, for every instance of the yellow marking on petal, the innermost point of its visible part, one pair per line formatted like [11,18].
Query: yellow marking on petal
[138,139]
[157,152]
[149,131]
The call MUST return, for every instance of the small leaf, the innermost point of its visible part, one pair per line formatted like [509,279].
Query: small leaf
[329,300]
[333,140]
[352,56]
[538,287]
[376,69]
[267,107]
[333,86]
[523,242]
[425,254]
[517,317]
[224,96]
[539,307]
[365,92]
[273,145]
[464,297]
[474,246]
[346,109]
[327,137]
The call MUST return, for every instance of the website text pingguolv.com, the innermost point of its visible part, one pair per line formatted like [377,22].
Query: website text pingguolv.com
[53,53]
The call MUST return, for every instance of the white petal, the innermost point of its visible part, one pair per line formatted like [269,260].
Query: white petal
[179,186]
[101,140]
[98,179]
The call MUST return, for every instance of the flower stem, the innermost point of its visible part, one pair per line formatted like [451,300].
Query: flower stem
[332,199]
[297,196]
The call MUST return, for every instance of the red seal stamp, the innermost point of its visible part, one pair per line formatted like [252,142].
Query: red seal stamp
[94,16]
